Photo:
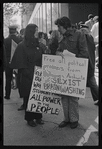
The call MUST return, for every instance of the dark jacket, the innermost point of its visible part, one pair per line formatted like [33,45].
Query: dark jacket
[4,57]
[74,41]
[25,58]
[7,43]
[53,45]
[91,51]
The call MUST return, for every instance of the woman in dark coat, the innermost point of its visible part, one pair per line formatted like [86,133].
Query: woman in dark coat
[27,55]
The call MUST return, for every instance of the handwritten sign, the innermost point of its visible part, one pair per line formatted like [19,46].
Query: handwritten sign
[13,47]
[41,101]
[64,76]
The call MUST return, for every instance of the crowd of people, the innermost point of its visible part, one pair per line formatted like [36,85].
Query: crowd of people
[79,39]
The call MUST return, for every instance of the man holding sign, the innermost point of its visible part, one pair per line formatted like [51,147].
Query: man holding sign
[74,41]
[10,44]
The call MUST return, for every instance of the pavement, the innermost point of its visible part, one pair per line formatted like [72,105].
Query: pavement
[18,133]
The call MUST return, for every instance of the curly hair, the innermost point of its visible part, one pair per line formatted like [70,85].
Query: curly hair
[63,21]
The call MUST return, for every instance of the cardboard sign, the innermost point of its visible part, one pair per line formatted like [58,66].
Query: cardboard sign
[64,76]
[13,47]
[40,101]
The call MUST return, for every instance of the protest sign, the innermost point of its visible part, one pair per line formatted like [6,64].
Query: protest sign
[41,101]
[13,47]
[65,76]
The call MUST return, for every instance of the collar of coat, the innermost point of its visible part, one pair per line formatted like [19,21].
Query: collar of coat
[69,32]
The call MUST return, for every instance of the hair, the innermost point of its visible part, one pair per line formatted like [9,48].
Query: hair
[29,38]
[50,32]
[63,21]
[90,16]
[22,31]
[55,34]
[96,18]
[40,34]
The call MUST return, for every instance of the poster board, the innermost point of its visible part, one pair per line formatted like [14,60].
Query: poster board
[41,101]
[64,76]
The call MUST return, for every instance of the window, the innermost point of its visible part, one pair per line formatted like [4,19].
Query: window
[54,15]
[40,18]
[44,18]
[48,17]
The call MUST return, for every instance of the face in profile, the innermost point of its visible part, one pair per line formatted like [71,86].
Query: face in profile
[36,33]
[61,29]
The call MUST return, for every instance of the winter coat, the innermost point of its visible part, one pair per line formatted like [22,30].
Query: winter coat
[26,58]
[7,43]
[91,51]
[74,41]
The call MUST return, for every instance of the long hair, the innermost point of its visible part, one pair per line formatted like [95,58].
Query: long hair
[29,38]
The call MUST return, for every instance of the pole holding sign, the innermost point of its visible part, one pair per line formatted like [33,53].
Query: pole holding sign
[64,76]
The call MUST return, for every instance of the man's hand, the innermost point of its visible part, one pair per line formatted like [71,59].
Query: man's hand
[60,54]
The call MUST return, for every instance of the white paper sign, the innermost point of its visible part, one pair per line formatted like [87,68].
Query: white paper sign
[13,47]
[40,101]
[64,76]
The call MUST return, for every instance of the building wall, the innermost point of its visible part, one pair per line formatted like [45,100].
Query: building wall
[29,7]
[45,14]
[80,11]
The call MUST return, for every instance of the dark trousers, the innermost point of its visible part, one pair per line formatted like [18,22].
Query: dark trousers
[93,87]
[19,82]
[29,116]
[8,76]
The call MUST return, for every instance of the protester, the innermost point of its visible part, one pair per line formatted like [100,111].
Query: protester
[79,24]
[91,81]
[95,34]
[53,43]
[50,32]
[95,29]
[90,21]
[46,38]
[74,41]
[8,70]
[41,38]
[4,56]
[27,55]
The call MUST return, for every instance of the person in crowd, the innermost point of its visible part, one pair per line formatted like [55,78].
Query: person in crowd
[22,33]
[90,21]
[50,32]
[19,75]
[27,55]
[91,81]
[95,29]
[53,43]
[4,57]
[74,26]
[46,38]
[43,42]
[74,41]
[8,70]
[95,34]
[79,24]
[41,38]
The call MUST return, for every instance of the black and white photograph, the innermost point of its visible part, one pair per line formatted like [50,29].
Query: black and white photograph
[50,74]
